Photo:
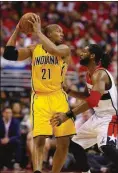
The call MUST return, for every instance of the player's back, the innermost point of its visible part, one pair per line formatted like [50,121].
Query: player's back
[48,71]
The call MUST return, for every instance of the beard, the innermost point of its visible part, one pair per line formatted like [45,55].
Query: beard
[85,61]
[58,43]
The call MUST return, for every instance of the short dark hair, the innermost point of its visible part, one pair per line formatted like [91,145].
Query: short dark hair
[100,55]
[7,107]
[49,28]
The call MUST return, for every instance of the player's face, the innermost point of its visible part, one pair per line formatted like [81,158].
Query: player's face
[85,56]
[57,35]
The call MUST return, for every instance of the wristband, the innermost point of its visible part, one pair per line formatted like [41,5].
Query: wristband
[70,114]
[10,53]
[93,99]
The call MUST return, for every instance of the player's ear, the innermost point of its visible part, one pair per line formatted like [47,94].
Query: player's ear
[92,56]
[49,34]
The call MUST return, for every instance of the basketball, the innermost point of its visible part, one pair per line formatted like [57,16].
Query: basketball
[25,26]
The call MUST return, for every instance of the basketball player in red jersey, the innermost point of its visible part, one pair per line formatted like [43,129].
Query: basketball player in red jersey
[102,126]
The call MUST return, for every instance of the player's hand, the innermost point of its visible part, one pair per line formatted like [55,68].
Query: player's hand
[65,87]
[36,23]
[58,119]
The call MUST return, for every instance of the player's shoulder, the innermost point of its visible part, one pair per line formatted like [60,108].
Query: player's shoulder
[32,46]
[66,48]
[100,74]
[100,71]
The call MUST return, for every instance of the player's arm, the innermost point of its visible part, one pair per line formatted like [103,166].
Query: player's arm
[11,53]
[61,50]
[99,81]
[76,94]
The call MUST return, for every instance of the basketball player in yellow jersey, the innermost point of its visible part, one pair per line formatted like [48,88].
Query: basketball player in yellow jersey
[49,62]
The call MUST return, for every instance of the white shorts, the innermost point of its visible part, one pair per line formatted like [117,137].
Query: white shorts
[100,130]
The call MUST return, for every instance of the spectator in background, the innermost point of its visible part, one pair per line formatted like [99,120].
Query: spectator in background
[4,100]
[82,71]
[65,6]
[49,149]
[25,128]
[84,41]
[9,139]
[98,162]
[16,108]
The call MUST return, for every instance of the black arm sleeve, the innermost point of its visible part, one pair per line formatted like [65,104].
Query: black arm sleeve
[10,53]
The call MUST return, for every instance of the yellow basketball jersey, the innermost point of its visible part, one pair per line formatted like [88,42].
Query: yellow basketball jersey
[48,71]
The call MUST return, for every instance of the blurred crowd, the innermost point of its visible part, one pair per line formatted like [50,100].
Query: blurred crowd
[83,23]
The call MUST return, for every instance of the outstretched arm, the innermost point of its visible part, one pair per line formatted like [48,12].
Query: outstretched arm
[76,94]
[11,53]
[99,81]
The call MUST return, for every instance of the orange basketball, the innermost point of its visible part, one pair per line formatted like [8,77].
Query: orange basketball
[24,25]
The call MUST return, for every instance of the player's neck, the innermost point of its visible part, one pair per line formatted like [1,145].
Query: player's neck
[91,68]
[54,42]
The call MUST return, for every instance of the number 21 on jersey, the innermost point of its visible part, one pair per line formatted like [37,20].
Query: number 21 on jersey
[45,73]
